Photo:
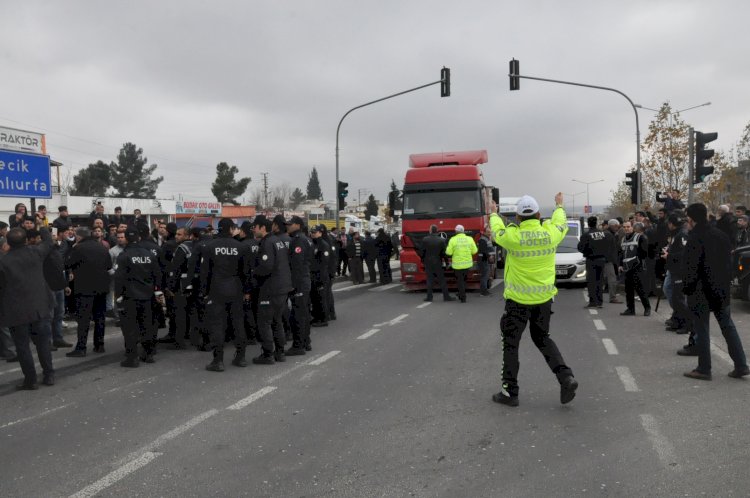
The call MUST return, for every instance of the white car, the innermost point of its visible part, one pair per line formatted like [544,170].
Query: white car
[570,265]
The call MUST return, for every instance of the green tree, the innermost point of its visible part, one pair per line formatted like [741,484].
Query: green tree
[94,180]
[226,188]
[278,202]
[313,186]
[296,198]
[130,175]
[399,204]
[371,208]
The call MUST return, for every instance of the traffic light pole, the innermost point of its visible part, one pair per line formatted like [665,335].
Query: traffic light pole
[637,126]
[691,164]
[338,128]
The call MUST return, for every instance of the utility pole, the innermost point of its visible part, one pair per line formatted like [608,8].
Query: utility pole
[265,190]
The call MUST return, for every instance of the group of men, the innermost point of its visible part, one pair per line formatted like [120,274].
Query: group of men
[691,253]
[355,250]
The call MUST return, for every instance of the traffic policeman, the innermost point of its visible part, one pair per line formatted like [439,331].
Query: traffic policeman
[300,258]
[137,276]
[595,245]
[224,271]
[529,290]
[275,281]
[461,248]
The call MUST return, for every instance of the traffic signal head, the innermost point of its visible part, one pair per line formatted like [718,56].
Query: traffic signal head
[445,82]
[701,154]
[633,183]
[513,72]
[342,194]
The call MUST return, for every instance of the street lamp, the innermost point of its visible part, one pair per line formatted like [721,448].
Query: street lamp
[573,203]
[588,202]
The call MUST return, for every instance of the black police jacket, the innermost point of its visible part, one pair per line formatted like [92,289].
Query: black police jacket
[158,252]
[432,250]
[273,273]
[90,262]
[300,258]
[596,244]
[333,260]
[24,297]
[178,275]
[225,268]
[369,248]
[321,259]
[137,273]
[676,252]
[708,265]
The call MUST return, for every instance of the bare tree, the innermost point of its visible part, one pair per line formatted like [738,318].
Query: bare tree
[282,191]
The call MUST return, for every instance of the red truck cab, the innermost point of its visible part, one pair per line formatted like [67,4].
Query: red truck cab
[444,189]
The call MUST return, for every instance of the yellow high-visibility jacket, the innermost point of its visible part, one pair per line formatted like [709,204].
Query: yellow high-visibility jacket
[461,248]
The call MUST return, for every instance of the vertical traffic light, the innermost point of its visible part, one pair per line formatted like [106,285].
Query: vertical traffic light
[701,154]
[514,71]
[342,194]
[445,82]
[633,183]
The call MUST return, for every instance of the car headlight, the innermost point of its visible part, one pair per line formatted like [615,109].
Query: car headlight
[410,267]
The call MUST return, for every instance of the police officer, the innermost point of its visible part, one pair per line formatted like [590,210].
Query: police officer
[137,275]
[332,265]
[319,276]
[461,248]
[529,289]
[595,245]
[674,280]
[278,227]
[300,257]
[275,280]
[247,236]
[432,253]
[224,272]
[200,337]
[178,286]
[146,241]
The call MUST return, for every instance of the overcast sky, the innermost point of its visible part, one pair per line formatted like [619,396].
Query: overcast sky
[263,84]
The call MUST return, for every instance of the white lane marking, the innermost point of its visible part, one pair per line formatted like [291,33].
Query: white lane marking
[423,305]
[250,399]
[116,475]
[307,376]
[350,287]
[721,354]
[17,369]
[627,379]
[324,358]
[384,287]
[132,384]
[661,444]
[32,417]
[609,345]
[369,333]
[395,321]
[286,372]
[170,435]
[599,325]
[593,311]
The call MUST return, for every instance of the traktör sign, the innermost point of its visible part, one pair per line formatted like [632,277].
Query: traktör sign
[22,141]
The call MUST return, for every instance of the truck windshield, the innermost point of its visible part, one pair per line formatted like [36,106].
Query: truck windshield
[441,204]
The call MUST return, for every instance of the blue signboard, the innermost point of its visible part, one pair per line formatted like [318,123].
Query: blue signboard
[24,175]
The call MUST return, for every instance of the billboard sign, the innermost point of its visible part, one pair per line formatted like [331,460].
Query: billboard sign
[22,141]
[24,175]
[198,207]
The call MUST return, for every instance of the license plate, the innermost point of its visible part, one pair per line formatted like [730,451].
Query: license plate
[561,272]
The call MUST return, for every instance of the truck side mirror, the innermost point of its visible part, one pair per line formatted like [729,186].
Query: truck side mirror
[496,195]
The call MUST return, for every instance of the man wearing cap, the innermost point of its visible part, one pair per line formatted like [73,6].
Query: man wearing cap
[461,249]
[224,280]
[62,220]
[247,237]
[278,227]
[529,289]
[275,283]
[300,257]
[332,266]
[137,277]
[319,276]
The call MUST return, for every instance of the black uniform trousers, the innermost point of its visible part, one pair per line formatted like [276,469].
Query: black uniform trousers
[384,267]
[432,272]
[595,279]
[137,326]
[40,333]
[300,319]
[90,306]
[512,325]
[224,313]
[270,328]
[331,315]
[633,284]
[461,282]
[319,301]
[356,270]
[251,325]
[184,317]
[371,269]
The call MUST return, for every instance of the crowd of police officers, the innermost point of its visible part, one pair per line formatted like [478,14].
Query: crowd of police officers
[259,283]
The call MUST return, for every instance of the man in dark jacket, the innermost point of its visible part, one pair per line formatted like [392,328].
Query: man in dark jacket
[332,263]
[320,276]
[300,257]
[370,256]
[90,262]
[484,254]
[274,277]
[595,245]
[137,275]
[247,237]
[708,272]
[673,256]
[634,251]
[57,280]
[178,287]
[432,253]
[385,249]
[25,305]
[224,274]
[355,252]
[727,224]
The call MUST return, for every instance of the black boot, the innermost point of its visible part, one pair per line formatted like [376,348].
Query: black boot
[217,365]
[239,358]
[264,358]
[130,362]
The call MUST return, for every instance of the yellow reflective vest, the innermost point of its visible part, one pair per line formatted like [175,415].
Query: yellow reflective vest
[530,263]
[461,248]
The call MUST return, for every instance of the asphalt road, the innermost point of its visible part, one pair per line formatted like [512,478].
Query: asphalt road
[394,400]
